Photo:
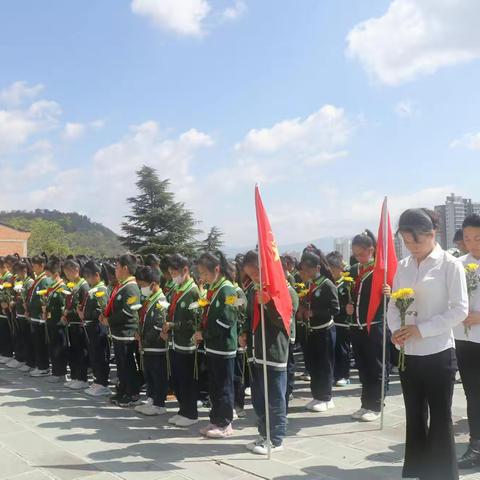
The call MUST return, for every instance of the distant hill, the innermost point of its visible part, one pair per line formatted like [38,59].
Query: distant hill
[64,233]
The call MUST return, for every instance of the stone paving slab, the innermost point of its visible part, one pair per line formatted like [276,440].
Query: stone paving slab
[49,432]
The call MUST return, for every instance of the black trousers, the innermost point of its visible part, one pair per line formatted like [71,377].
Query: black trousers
[78,352]
[99,352]
[156,377]
[184,383]
[427,384]
[17,338]
[29,344]
[240,373]
[220,382]
[127,370]
[368,352]
[290,374]
[321,360]
[302,336]
[6,344]
[57,348]
[22,330]
[40,345]
[342,353]
[468,357]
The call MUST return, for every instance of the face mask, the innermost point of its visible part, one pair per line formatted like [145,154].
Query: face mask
[146,291]
[178,279]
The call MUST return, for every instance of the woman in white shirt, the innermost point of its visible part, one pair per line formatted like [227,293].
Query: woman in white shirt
[467,342]
[441,303]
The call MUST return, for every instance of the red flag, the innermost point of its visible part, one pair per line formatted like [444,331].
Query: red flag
[384,260]
[272,276]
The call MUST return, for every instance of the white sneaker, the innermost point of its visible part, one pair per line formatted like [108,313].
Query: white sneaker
[173,420]
[310,404]
[96,390]
[322,406]
[185,422]
[78,385]
[305,377]
[263,449]
[56,379]
[370,416]
[39,373]
[235,415]
[342,382]
[13,363]
[248,392]
[357,415]
[259,441]
[150,410]
[241,413]
[5,359]
[25,369]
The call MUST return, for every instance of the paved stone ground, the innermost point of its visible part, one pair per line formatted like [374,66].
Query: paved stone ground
[47,432]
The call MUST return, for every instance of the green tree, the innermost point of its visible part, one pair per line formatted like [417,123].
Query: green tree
[48,237]
[157,223]
[213,241]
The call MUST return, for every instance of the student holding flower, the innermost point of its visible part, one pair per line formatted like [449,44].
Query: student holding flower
[6,342]
[98,342]
[467,340]
[219,332]
[440,303]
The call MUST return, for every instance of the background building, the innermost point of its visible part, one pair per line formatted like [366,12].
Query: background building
[452,214]
[13,241]
[344,246]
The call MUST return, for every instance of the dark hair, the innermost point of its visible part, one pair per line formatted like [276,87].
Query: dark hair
[39,260]
[2,262]
[151,260]
[335,259]
[472,220]
[313,257]
[130,261]
[92,268]
[418,221]
[211,260]
[148,274]
[366,239]
[178,261]
[458,235]
[54,265]
[250,258]
[108,272]
[23,265]
[71,264]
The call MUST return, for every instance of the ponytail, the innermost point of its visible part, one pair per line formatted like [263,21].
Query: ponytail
[314,258]
[211,260]
[366,239]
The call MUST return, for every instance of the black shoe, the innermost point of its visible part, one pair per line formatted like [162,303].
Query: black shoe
[129,401]
[471,458]
[114,399]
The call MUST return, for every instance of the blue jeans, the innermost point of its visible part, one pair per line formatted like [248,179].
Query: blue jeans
[277,387]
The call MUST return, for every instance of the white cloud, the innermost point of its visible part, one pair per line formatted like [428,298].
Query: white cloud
[312,140]
[416,37]
[235,11]
[18,125]
[17,92]
[73,131]
[185,17]
[471,141]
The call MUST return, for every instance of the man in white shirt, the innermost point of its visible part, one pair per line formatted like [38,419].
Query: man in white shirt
[467,339]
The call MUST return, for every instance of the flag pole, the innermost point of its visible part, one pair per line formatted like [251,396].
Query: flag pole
[264,349]
[385,270]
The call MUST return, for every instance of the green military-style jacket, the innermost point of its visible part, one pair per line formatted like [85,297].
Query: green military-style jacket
[295,303]
[21,296]
[78,297]
[123,319]
[56,303]
[95,303]
[33,300]
[184,318]
[220,332]
[152,316]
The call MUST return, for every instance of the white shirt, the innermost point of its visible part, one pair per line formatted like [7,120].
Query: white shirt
[441,300]
[474,301]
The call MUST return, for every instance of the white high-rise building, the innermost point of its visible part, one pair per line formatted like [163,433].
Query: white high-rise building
[343,246]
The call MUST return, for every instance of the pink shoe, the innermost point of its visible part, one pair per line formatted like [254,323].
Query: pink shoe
[221,432]
[205,430]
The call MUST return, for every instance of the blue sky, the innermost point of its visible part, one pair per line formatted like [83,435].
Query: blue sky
[329,104]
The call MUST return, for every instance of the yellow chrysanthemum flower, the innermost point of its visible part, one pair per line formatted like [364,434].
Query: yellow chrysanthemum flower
[303,293]
[7,285]
[301,286]
[348,279]
[100,294]
[203,302]
[70,284]
[231,300]
[132,300]
[403,293]
[42,293]
[471,267]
